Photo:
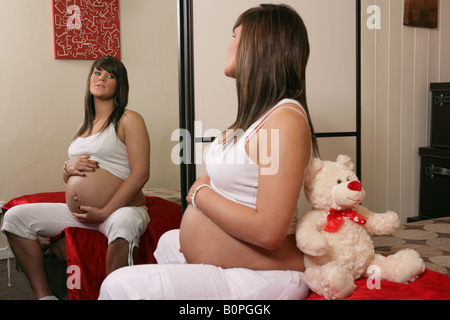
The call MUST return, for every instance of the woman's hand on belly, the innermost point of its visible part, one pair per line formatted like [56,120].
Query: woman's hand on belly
[202,241]
[94,189]
[95,216]
[90,215]
[80,165]
[88,194]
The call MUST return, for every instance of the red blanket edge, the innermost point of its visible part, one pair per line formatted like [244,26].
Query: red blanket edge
[430,285]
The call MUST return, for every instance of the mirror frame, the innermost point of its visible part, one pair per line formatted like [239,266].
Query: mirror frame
[187,96]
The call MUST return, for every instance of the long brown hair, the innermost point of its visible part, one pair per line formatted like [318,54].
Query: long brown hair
[115,67]
[271,63]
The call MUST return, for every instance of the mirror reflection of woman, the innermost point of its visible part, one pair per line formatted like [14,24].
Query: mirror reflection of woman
[109,163]
[236,239]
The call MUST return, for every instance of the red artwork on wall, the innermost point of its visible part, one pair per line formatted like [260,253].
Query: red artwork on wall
[86,29]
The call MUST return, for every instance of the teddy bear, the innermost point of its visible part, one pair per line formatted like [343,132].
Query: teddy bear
[335,236]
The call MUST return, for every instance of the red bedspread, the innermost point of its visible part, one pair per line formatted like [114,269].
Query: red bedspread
[429,286]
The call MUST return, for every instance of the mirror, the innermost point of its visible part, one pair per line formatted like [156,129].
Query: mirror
[42,98]
[333,82]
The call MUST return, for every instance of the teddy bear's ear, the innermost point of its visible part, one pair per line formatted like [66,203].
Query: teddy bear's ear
[346,161]
[314,166]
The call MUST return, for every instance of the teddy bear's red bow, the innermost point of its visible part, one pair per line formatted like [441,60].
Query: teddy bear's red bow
[336,218]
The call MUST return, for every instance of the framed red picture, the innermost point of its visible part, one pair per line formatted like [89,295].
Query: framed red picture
[86,29]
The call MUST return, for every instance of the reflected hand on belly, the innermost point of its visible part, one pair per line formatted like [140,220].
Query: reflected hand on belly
[94,189]
[80,165]
[87,195]
[90,215]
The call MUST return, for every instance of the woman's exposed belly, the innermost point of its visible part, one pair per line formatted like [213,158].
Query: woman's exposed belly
[202,241]
[94,190]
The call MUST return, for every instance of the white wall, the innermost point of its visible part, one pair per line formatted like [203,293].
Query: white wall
[399,63]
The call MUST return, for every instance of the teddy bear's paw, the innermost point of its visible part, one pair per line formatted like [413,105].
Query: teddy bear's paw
[391,221]
[330,281]
[410,266]
[404,266]
[340,286]
[335,292]
[383,223]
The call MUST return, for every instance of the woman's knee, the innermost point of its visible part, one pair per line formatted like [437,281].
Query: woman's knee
[128,223]
[17,221]
[127,218]
[168,249]
[15,213]
[168,240]
[110,288]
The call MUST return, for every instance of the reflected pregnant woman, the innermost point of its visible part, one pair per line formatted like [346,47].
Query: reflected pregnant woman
[108,167]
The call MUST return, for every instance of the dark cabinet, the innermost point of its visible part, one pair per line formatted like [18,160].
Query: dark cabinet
[440,115]
[434,198]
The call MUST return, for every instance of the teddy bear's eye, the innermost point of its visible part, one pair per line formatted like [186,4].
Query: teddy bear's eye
[339,181]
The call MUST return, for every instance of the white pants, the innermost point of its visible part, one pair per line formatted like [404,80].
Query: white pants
[171,279]
[48,220]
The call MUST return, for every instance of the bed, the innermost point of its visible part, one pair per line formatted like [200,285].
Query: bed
[431,238]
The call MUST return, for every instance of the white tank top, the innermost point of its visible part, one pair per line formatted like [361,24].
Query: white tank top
[105,148]
[233,174]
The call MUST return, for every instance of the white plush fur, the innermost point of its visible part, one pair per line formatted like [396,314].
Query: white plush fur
[334,260]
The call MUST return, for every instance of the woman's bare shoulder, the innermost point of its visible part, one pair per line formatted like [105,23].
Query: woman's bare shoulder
[130,115]
[132,119]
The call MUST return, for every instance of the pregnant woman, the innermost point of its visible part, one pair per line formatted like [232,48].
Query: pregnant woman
[237,236]
[109,164]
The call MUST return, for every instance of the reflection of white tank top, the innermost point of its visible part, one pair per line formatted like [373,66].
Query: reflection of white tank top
[232,173]
[105,148]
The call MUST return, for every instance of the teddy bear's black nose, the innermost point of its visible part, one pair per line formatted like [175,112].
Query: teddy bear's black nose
[355,186]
